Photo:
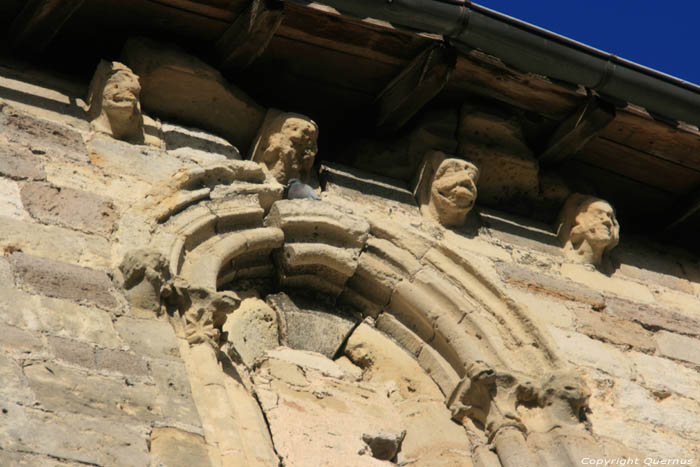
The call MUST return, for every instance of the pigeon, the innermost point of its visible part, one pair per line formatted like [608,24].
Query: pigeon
[298,190]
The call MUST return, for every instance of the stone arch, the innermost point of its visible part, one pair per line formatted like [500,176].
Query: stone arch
[227,222]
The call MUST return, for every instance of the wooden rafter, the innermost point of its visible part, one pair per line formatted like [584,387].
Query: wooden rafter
[414,87]
[249,34]
[577,130]
[39,22]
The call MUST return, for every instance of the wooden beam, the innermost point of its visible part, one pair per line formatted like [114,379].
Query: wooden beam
[414,87]
[249,34]
[577,130]
[39,22]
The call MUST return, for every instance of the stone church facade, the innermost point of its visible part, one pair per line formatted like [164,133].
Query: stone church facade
[168,299]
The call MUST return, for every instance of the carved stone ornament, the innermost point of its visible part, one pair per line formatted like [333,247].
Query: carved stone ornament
[588,228]
[287,145]
[446,188]
[203,313]
[113,97]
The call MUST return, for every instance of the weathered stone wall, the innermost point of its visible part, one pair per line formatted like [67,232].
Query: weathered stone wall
[88,378]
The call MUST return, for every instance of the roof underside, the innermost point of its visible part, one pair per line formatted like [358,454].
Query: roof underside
[332,68]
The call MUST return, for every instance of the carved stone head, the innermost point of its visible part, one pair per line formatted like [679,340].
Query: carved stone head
[287,145]
[115,108]
[588,228]
[446,188]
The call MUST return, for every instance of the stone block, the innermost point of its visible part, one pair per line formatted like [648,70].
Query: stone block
[437,367]
[477,245]
[62,280]
[77,439]
[206,99]
[400,333]
[123,363]
[19,341]
[18,162]
[663,377]
[496,144]
[521,231]
[653,316]
[366,188]
[432,434]
[688,304]
[306,220]
[252,330]
[11,200]
[173,394]
[312,257]
[148,337]
[314,329]
[583,350]
[140,162]
[403,236]
[375,279]
[672,413]
[678,347]
[650,264]
[41,136]
[14,387]
[329,414]
[73,352]
[383,361]
[614,330]
[67,207]
[586,275]
[170,447]
[197,144]
[64,389]
[54,242]
[550,285]
[546,310]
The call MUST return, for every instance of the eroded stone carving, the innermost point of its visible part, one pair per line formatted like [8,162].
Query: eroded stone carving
[446,188]
[115,108]
[287,145]
[588,228]
[146,278]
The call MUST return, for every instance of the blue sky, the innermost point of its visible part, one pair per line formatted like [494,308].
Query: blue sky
[660,35]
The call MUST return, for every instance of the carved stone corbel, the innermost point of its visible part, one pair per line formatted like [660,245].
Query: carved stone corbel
[445,188]
[489,397]
[146,279]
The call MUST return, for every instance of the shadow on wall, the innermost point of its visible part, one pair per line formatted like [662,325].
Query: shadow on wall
[71,107]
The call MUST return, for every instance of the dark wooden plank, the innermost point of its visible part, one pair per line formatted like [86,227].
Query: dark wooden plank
[635,128]
[208,9]
[577,130]
[480,74]
[249,34]
[351,36]
[325,65]
[639,166]
[107,21]
[39,22]
[414,87]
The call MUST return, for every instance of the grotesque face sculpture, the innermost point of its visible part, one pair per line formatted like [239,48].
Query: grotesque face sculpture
[114,102]
[289,146]
[446,190]
[588,228]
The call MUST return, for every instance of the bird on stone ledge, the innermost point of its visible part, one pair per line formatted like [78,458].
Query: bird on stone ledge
[298,190]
